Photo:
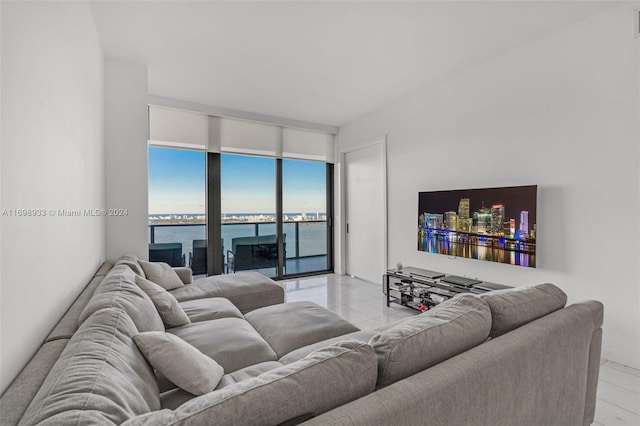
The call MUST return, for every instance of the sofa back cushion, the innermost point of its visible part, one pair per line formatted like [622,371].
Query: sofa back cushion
[417,343]
[131,260]
[119,290]
[100,377]
[323,380]
[68,324]
[512,308]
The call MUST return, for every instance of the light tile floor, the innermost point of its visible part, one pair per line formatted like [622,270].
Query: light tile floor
[362,303]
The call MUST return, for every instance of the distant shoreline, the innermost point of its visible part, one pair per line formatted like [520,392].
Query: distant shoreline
[200,218]
[237,214]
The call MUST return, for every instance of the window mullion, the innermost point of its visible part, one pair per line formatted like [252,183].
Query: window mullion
[279,215]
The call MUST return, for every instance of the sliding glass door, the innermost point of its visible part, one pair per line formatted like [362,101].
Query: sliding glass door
[304,199]
[253,231]
[248,207]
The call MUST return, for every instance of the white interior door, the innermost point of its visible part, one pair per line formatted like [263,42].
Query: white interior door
[366,212]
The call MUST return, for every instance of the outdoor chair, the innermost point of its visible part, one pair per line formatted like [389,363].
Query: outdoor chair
[250,253]
[170,253]
[198,257]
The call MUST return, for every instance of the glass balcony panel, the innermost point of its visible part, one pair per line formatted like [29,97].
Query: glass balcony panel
[312,245]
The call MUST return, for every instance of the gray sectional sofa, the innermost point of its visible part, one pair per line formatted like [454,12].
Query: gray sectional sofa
[503,358]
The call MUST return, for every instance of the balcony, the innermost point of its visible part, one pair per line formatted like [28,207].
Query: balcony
[306,241]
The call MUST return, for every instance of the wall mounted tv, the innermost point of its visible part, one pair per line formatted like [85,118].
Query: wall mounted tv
[494,224]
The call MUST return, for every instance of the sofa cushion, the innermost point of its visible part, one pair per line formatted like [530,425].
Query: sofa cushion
[18,395]
[293,356]
[170,311]
[184,273]
[511,308]
[210,308]
[174,398]
[289,326]
[162,274]
[131,260]
[119,290]
[419,342]
[180,362]
[232,342]
[247,373]
[246,290]
[100,378]
[276,396]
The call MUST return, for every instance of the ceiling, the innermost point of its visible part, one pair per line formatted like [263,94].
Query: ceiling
[320,62]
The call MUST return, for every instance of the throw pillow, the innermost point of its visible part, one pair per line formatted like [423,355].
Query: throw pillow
[162,274]
[168,307]
[180,362]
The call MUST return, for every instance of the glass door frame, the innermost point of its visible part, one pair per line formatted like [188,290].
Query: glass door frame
[214,218]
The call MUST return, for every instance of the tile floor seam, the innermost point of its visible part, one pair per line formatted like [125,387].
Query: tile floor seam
[623,368]
[619,407]
[612,383]
[618,388]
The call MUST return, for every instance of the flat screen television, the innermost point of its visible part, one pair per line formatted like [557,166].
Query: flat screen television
[493,224]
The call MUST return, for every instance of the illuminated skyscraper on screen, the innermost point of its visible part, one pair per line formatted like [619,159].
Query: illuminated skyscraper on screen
[451,221]
[433,221]
[463,208]
[483,220]
[497,219]
[524,222]
[464,220]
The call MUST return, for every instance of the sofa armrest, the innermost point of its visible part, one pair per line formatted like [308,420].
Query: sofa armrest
[17,397]
[247,290]
[185,274]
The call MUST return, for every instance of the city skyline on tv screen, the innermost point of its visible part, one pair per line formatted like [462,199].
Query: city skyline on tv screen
[493,224]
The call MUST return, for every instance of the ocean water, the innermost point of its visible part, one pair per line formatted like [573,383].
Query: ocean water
[312,236]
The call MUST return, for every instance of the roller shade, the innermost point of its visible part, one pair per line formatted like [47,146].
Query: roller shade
[308,145]
[177,128]
[249,137]
[192,130]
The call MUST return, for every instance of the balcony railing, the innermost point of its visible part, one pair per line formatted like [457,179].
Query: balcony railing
[304,238]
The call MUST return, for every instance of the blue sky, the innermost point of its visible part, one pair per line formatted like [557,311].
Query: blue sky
[176,180]
[177,183]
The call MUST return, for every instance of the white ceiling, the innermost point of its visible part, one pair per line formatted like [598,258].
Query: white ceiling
[320,62]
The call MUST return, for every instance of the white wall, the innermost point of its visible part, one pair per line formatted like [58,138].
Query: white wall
[561,113]
[52,158]
[127,130]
